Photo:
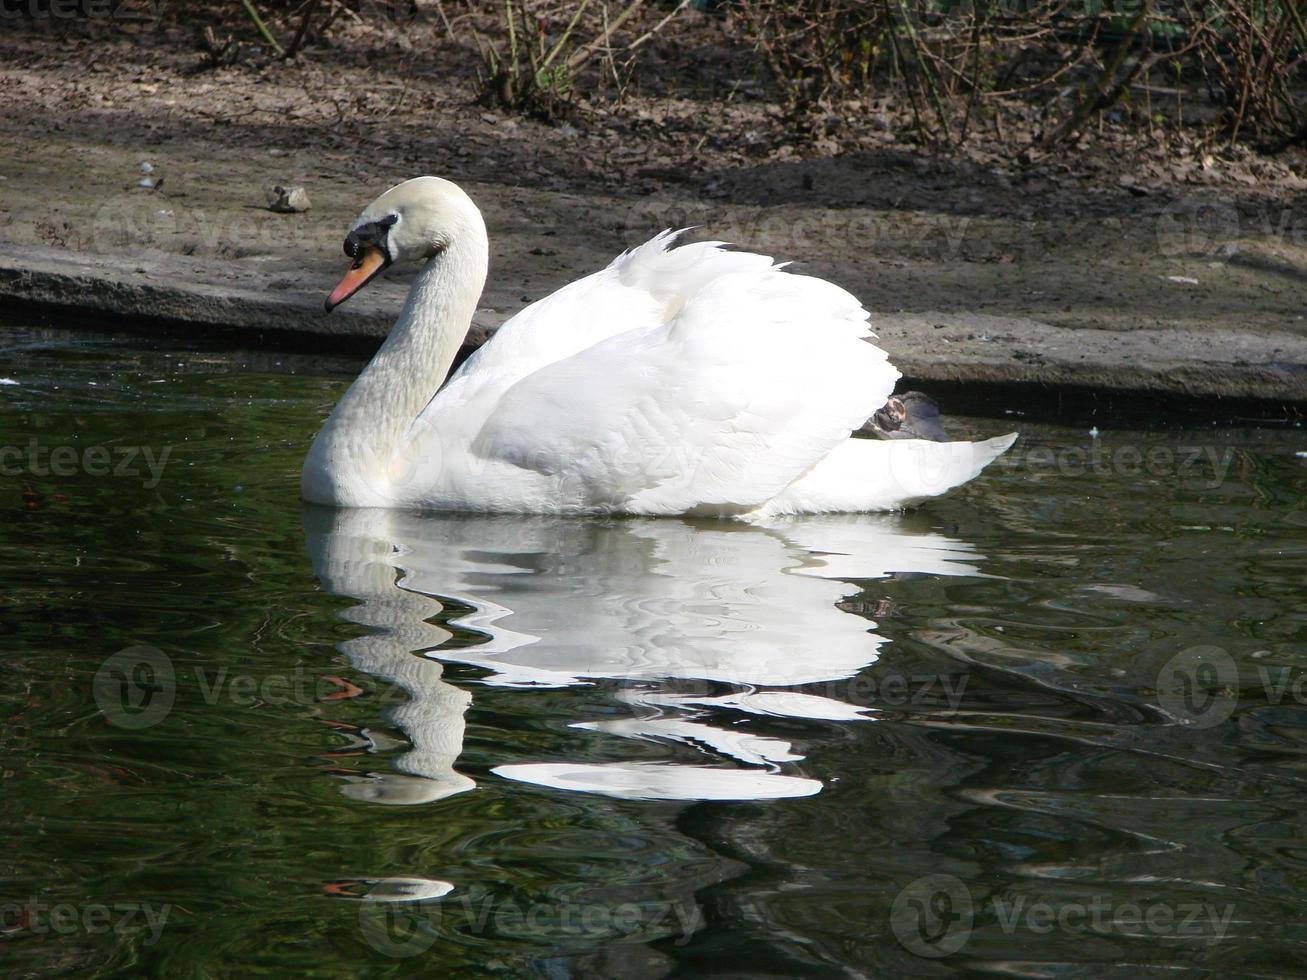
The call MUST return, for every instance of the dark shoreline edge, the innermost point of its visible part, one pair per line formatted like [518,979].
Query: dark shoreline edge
[97,293]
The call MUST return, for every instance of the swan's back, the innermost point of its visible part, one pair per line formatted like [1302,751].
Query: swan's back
[643,286]
[677,380]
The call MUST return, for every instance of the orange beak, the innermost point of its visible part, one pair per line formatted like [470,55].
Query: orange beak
[361,272]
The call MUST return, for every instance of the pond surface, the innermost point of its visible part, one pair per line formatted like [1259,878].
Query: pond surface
[1053,724]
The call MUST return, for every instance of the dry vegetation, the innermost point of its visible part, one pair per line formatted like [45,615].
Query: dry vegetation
[1143,92]
[1232,69]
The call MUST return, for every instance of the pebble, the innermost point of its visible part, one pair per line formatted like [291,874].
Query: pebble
[288,200]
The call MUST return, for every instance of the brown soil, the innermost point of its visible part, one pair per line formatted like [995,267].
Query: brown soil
[1116,232]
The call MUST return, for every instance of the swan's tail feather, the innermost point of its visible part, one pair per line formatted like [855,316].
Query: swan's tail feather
[866,474]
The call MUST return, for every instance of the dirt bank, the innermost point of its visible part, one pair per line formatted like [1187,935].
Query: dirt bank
[1136,273]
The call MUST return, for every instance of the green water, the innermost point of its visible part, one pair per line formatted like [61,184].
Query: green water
[1053,724]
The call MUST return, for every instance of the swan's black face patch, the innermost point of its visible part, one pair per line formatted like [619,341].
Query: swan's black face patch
[373,235]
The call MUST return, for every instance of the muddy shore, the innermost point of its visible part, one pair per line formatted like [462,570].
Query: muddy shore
[1059,276]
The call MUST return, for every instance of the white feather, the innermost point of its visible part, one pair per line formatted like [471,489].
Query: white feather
[690,379]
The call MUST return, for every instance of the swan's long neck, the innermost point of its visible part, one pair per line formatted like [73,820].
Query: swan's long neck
[360,450]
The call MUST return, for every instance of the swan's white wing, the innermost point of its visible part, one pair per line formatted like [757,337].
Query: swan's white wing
[642,287]
[746,377]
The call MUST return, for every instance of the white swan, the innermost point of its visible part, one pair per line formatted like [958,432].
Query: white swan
[678,380]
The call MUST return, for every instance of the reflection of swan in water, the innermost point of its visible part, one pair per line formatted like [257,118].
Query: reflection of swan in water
[353,555]
[676,609]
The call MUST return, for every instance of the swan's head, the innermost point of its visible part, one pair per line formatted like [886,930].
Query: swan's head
[411,222]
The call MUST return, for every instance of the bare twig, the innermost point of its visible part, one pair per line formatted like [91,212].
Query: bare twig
[1107,87]
[583,54]
[298,39]
[657,27]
